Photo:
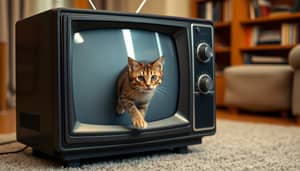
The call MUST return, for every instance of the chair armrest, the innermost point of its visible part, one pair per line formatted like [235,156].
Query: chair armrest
[294,57]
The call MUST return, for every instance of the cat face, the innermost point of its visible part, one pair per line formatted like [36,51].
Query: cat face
[145,76]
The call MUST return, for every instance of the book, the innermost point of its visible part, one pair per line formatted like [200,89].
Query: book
[256,8]
[268,36]
[208,10]
[264,8]
[251,34]
[252,11]
[201,13]
[268,60]
[285,34]
[259,8]
[217,10]
[289,33]
[296,6]
[227,10]
[259,59]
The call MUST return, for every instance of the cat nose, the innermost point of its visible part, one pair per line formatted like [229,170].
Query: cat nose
[149,88]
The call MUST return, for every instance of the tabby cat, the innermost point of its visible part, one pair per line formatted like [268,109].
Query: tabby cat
[135,88]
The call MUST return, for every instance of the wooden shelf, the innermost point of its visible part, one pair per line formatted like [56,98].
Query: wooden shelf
[271,19]
[222,50]
[222,25]
[267,47]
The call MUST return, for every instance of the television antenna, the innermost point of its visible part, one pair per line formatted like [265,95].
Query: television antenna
[92,4]
[137,11]
[141,6]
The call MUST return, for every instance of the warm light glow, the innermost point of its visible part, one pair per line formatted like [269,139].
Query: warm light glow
[78,38]
[158,44]
[128,42]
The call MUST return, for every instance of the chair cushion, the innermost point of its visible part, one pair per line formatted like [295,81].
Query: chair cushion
[258,87]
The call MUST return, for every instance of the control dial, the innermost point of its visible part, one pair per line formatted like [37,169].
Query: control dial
[205,84]
[204,52]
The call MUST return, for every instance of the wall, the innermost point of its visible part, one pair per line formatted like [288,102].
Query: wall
[161,7]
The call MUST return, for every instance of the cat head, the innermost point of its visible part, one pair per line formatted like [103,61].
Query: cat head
[145,76]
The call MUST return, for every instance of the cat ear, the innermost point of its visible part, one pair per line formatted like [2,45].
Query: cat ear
[159,62]
[132,64]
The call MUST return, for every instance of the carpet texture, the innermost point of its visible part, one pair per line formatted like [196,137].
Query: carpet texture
[236,146]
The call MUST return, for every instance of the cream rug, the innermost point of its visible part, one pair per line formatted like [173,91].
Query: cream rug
[236,146]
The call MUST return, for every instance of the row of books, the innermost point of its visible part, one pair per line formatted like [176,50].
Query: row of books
[260,59]
[284,34]
[215,10]
[263,8]
[289,34]
[255,59]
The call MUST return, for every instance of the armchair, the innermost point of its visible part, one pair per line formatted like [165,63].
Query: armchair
[265,87]
[294,61]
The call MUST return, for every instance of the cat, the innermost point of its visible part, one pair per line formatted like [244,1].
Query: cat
[136,85]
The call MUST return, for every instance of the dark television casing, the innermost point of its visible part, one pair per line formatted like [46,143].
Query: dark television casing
[45,115]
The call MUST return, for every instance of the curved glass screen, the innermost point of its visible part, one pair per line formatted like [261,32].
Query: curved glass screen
[98,57]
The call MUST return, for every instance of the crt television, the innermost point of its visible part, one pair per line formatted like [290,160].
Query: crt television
[67,64]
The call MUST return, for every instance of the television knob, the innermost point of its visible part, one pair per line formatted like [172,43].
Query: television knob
[205,84]
[204,52]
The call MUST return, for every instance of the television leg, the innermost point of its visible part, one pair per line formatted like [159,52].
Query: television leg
[181,150]
[72,163]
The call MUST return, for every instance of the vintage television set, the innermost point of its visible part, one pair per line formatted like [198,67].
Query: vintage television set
[67,64]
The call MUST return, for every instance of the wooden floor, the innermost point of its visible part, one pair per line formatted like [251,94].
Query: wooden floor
[8,119]
[270,118]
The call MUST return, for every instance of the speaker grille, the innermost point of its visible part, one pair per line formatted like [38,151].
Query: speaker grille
[30,121]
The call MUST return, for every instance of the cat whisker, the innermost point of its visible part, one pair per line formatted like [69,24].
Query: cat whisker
[163,88]
[161,91]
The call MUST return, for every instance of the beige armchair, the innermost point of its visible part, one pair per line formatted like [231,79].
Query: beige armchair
[294,61]
[265,87]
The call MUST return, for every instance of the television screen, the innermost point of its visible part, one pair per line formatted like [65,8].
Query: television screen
[99,56]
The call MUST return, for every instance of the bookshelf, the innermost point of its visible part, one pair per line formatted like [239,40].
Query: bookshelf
[231,35]
[292,17]
[267,48]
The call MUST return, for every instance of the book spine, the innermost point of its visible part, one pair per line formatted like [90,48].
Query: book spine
[201,10]
[254,34]
[283,34]
[256,8]
[209,10]
[247,58]
[248,32]
[251,11]
[254,59]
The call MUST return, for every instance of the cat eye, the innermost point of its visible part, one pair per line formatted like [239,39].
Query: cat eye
[153,77]
[140,78]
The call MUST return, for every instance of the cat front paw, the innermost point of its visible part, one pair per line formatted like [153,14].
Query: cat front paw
[139,122]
